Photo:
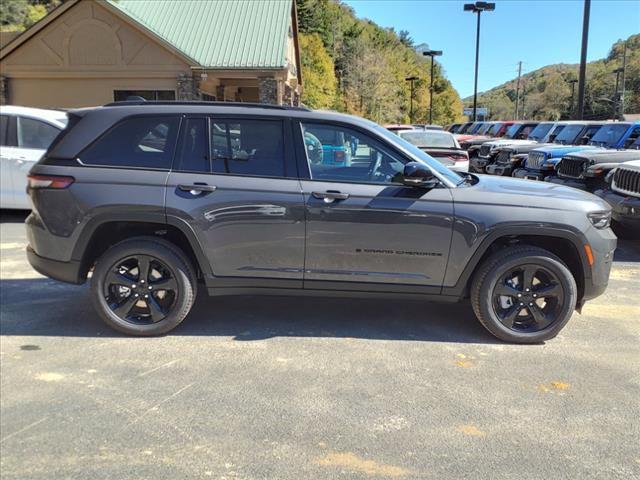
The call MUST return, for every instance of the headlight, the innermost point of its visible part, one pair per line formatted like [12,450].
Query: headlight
[600,220]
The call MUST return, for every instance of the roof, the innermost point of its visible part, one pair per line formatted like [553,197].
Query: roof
[218,33]
[56,117]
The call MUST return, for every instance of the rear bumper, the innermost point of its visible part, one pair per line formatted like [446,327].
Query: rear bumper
[69,272]
[625,210]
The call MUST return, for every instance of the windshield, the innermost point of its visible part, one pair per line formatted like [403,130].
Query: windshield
[429,139]
[569,134]
[464,127]
[495,129]
[484,129]
[540,131]
[609,134]
[475,127]
[513,130]
[418,155]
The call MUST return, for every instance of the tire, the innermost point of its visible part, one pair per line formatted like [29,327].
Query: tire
[553,276]
[119,270]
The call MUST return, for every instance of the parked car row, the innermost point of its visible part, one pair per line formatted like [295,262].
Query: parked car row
[434,140]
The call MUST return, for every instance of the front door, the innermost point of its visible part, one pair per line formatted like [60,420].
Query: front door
[234,183]
[364,228]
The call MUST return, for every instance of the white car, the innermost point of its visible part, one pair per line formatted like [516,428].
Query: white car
[25,134]
[441,145]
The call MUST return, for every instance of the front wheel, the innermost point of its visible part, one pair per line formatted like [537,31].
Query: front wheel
[524,294]
[144,286]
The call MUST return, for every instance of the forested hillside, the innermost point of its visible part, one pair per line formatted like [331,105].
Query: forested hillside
[547,91]
[356,66]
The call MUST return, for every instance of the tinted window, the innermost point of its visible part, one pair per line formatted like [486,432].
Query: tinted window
[194,147]
[144,142]
[4,130]
[248,147]
[495,129]
[35,134]
[358,158]
[609,134]
[570,133]
[540,131]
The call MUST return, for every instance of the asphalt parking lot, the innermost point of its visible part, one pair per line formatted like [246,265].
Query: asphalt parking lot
[297,388]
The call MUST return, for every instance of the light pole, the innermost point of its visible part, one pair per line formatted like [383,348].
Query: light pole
[431,53]
[411,79]
[573,82]
[477,8]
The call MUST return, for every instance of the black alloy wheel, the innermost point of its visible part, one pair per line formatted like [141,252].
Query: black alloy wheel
[528,298]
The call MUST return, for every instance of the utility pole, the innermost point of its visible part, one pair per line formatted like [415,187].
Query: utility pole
[518,89]
[583,58]
[624,72]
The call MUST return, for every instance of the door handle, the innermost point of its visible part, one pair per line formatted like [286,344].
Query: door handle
[330,196]
[197,188]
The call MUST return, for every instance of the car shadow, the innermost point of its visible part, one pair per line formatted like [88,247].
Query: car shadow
[43,307]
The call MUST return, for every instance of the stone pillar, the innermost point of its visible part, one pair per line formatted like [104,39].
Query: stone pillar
[4,90]
[288,95]
[188,87]
[270,90]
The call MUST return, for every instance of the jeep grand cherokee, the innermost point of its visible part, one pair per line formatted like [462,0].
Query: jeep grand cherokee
[153,198]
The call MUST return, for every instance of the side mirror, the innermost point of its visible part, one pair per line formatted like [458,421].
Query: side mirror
[417,174]
[584,140]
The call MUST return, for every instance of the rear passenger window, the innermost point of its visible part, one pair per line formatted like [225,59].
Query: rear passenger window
[143,142]
[194,154]
[35,134]
[248,147]
[8,131]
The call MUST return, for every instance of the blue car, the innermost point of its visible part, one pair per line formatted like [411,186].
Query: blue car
[541,162]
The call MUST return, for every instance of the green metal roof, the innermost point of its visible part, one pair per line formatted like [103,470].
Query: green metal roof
[218,33]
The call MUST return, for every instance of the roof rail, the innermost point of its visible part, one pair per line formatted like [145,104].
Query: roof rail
[128,103]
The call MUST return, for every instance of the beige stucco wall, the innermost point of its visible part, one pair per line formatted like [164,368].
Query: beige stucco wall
[82,56]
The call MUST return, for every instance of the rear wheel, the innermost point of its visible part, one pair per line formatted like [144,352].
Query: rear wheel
[524,294]
[143,286]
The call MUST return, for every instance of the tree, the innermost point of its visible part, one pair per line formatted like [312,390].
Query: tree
[320,89]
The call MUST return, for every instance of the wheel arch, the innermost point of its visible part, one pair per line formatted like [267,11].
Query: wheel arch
[568,245]
[104,231]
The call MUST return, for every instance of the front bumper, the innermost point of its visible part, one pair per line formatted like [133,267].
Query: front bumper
[603,244]
[499,169]
[69,272]
[530,174]
[478,164]
[625,209]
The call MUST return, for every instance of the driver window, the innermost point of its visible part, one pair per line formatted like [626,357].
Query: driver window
[339,154]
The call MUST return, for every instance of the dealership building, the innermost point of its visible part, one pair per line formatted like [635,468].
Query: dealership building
[91,52]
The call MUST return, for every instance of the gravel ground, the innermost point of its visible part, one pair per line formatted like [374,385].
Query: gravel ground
[252,388]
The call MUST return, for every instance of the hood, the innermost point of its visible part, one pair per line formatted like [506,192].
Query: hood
[554,151]
[516,149]
[601,156]
[507,191]
[508,142]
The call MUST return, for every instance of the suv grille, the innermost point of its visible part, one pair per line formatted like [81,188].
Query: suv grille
[535,160]
[485,150]
[626,181]
[572,167]
[504,157]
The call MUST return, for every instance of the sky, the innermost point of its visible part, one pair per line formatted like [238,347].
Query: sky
[536,32]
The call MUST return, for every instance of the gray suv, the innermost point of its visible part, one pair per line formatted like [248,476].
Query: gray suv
[152,199]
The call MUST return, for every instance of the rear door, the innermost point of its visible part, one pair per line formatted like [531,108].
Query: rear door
[234,183]
[8,155]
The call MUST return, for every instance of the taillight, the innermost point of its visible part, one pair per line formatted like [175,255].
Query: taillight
[458,158]
[339,156]
[49,181]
